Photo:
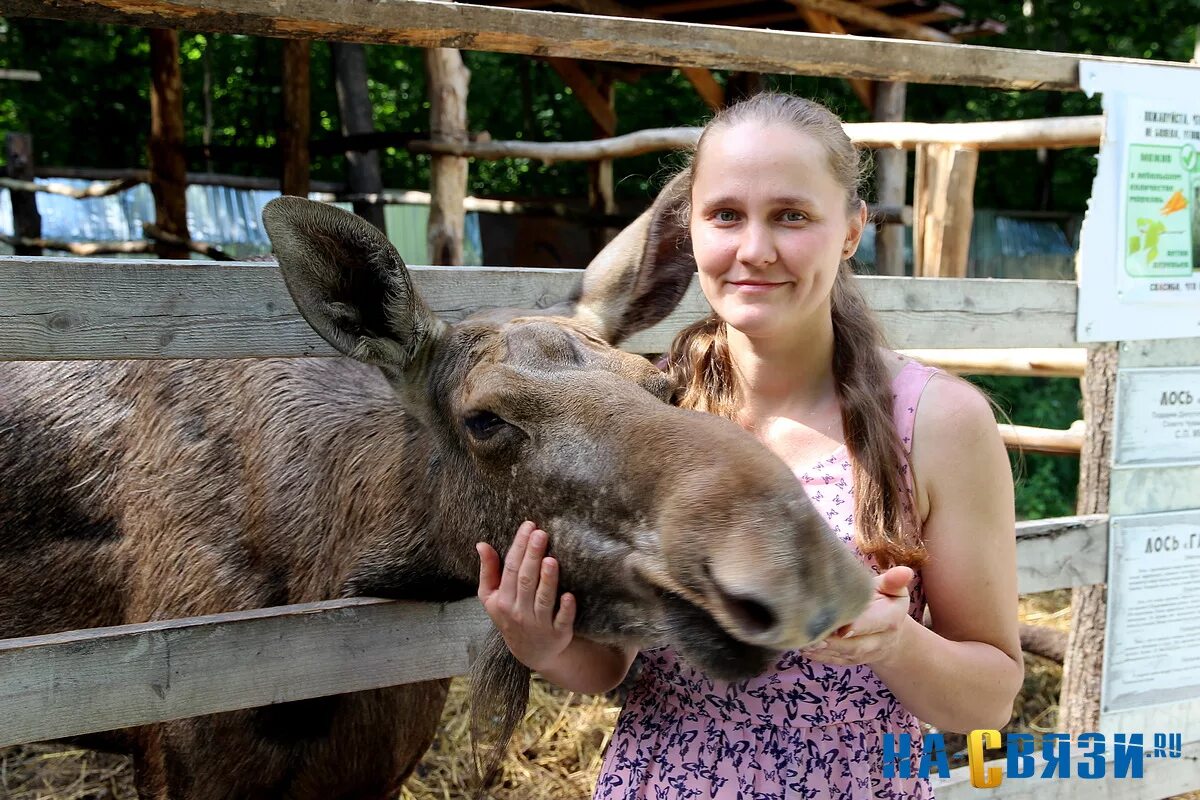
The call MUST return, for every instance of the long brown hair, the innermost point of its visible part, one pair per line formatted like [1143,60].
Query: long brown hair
[702,366]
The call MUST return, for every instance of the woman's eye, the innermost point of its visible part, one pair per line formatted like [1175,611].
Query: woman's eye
[483,425]
[794,216]
[725,215]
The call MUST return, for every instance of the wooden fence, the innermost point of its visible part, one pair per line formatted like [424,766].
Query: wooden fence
[50,308]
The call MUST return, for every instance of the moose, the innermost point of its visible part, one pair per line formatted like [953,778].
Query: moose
[133,491]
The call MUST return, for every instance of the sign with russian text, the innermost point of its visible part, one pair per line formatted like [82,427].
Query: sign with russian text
[1152,648]
[1158,417]
[1139,266]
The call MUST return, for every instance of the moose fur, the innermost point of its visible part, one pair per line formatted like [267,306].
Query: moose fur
[137,491]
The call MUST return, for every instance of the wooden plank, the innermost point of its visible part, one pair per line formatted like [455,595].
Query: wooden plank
[449,82]
[943,209]
[168,164]
[1163,777]
[20,75]
[891,179]
[26,220]
[874,20]
[1061,553]
[1040,362]
[85,681]
[1044,440]
[431,23]
[101,308]
[297,101]
[71,683]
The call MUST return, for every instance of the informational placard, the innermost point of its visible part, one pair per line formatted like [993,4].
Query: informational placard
[1158,417]
[1139,260]
[1152,646]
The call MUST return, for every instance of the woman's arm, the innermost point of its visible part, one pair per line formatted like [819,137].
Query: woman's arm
[964,672]
[520,599]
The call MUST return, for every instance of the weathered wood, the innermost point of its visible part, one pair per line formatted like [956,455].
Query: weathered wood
[85,681]
[891,179]
[448,79]
[146,309]
[943,210]
[97,189]
[589,95]
[1021,134]
[168,167]
[79,682]
[1061,553]
[358,117]
[294,127]
[1042,363]
[27,222]
[875,20]
[1044,440]
[711,92]
[30,75]
[1162,778]
[430,23]
[1079,701]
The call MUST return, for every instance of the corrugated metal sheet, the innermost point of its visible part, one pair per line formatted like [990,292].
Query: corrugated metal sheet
[228,218]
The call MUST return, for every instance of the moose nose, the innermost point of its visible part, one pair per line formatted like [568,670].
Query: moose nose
[749,614]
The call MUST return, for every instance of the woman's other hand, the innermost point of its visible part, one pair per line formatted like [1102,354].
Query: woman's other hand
[520,597]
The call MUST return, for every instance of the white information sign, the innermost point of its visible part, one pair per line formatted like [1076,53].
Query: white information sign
[1158,417]
[1152,648]
[1139,260]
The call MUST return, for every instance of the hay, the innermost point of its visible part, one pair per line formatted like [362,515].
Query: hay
[555,755]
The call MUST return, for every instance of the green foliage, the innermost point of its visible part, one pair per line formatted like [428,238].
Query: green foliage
[1046,485]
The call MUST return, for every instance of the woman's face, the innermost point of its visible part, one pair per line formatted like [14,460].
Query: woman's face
[770,226]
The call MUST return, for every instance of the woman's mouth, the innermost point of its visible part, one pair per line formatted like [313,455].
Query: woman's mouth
[754,287]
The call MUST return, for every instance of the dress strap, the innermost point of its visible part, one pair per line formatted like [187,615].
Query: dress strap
[907,387]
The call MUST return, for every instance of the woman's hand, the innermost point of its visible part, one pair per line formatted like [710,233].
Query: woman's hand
[877,633]
[520,599]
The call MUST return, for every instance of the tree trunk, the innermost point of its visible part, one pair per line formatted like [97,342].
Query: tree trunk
[891,176]
[448,83]
[294,133]
[1079,702]
[358,116]
[168,165]
[27,222]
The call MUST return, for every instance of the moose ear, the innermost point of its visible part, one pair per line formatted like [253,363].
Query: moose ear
[349,283]
[639,278]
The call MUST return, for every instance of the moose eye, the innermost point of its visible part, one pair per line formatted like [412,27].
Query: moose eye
[483,425]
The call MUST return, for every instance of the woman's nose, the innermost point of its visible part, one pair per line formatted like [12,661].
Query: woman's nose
[757,247]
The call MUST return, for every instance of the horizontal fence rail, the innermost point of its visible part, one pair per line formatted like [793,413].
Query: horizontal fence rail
[427,23]
[70,308]
[78,682]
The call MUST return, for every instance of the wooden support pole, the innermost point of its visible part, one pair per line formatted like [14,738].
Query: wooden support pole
[823,22]
[358,117]
[1079,701]
[27,222]
[891,180]
[875,20]
[168,166]
[448,79]
[587,92]
[294,131]
[943,209]
[601,197]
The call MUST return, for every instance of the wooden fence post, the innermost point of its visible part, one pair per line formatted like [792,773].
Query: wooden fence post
[891,180]
[449,79]
[27,222]
[293,139]
[168,164]
[943,209]
[1079,701]
[357,116]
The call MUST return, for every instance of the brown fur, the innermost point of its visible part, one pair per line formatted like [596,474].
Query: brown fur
[135,491]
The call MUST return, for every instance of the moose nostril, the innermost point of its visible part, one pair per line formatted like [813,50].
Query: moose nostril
[820,624]
[751,615]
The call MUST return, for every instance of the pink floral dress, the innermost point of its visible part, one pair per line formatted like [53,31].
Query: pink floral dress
[805,730]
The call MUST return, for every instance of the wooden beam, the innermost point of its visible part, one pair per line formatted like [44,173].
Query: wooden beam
[1044,440]
[357,117]
[294,132]
[586,92]
[27,221]
[1059,553]
[168,166]
[875,20]
[449,80]
[61,189]
[1041,363]
[943,209]
[20,75]
[891,179]
[149,309]
[711,92]
[432,23]
[822,22]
